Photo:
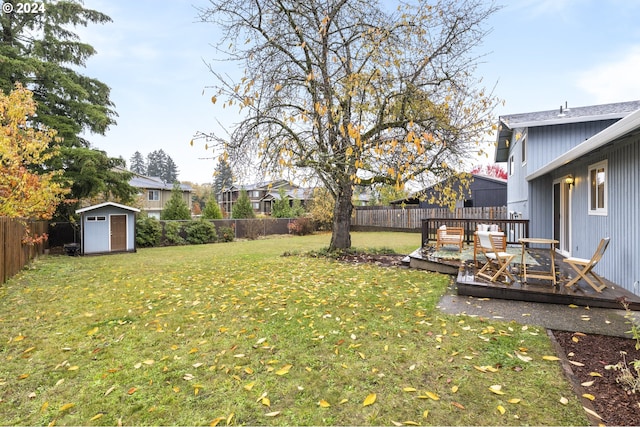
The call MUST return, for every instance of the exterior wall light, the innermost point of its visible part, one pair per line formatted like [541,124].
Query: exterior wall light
[569,180]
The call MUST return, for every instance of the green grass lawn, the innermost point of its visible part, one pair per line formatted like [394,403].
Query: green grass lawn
[237,334]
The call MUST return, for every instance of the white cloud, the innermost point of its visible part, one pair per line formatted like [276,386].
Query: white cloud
[614,81]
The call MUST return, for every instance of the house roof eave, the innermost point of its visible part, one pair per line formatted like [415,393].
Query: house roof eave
[617,130]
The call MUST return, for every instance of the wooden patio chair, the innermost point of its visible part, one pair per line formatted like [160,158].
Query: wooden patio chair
[450,236]
[497,261]
[498,237]
[584,267]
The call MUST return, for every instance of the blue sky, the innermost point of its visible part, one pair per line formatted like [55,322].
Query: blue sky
[539,55]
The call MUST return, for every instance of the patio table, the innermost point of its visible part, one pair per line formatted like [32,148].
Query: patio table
[547,275]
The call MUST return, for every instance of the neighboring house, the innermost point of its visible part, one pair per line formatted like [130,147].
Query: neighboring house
[575,174]
[263,195]
[484,191]
[155,193]
[108,227]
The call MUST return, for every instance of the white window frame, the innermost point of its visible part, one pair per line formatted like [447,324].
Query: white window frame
[593,191]
[523,147]
[153,195]
[511,165]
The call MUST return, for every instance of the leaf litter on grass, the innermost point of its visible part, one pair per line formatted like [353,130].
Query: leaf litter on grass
[200,324]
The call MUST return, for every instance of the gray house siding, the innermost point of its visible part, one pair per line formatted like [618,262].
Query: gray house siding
[549,142]
[517,190]
[620,263]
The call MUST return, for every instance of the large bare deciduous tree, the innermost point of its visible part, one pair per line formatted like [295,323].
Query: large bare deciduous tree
[352,91]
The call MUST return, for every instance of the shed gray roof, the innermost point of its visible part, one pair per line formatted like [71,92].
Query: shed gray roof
[101,205]
[508,123]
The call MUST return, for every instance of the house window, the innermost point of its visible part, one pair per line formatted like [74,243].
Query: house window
[511,163]
[154,195]
[96,218]
[524,149]
[256,206]
[598,188]
[256,194]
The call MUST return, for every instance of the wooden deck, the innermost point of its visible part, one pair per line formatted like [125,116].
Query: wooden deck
[534,290]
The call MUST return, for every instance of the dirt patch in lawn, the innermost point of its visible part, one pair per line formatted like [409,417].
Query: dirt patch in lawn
[392,260]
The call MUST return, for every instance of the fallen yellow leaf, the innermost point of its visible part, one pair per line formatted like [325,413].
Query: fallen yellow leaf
[324,404]
[432,396]
[272,414]
[67,406]
[595,374]
[215,422]
[587,383]
[284,370]
[454,389]
[564,400]
[589,396]
[266,402]
[573,362]
[496,388]
[501,409]
[370,400]
[96,417]
[93,331]
[550,358]
[589,411]
[408,389]
[514,401]
[249,386]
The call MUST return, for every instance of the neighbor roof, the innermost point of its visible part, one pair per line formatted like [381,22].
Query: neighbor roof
[154,183]
[561,115]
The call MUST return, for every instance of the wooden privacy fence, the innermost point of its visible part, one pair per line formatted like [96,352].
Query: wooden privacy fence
[411,218]
[14,254]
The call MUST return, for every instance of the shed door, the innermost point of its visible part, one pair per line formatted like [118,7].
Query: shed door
[118,232]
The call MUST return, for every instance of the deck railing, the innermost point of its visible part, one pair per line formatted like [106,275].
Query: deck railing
[514,229]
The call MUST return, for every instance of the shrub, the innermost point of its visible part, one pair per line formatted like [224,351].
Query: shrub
[201,231]
[226,234]
[254,228]
[212,210]
[321,208]
[172,231]
[148,232]
[301,227]
[242,207]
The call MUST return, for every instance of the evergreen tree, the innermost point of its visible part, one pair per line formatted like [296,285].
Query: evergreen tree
[223,176]
[137,164]
[170,170]
[176,208]
[156,161]
[212,210]
[242,207]
[41,51]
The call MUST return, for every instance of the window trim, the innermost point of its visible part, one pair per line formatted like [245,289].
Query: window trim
[511,165]
[524,149]
[604,210]
[152,194]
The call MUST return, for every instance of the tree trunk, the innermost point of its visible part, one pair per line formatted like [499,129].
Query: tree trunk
[341,236]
